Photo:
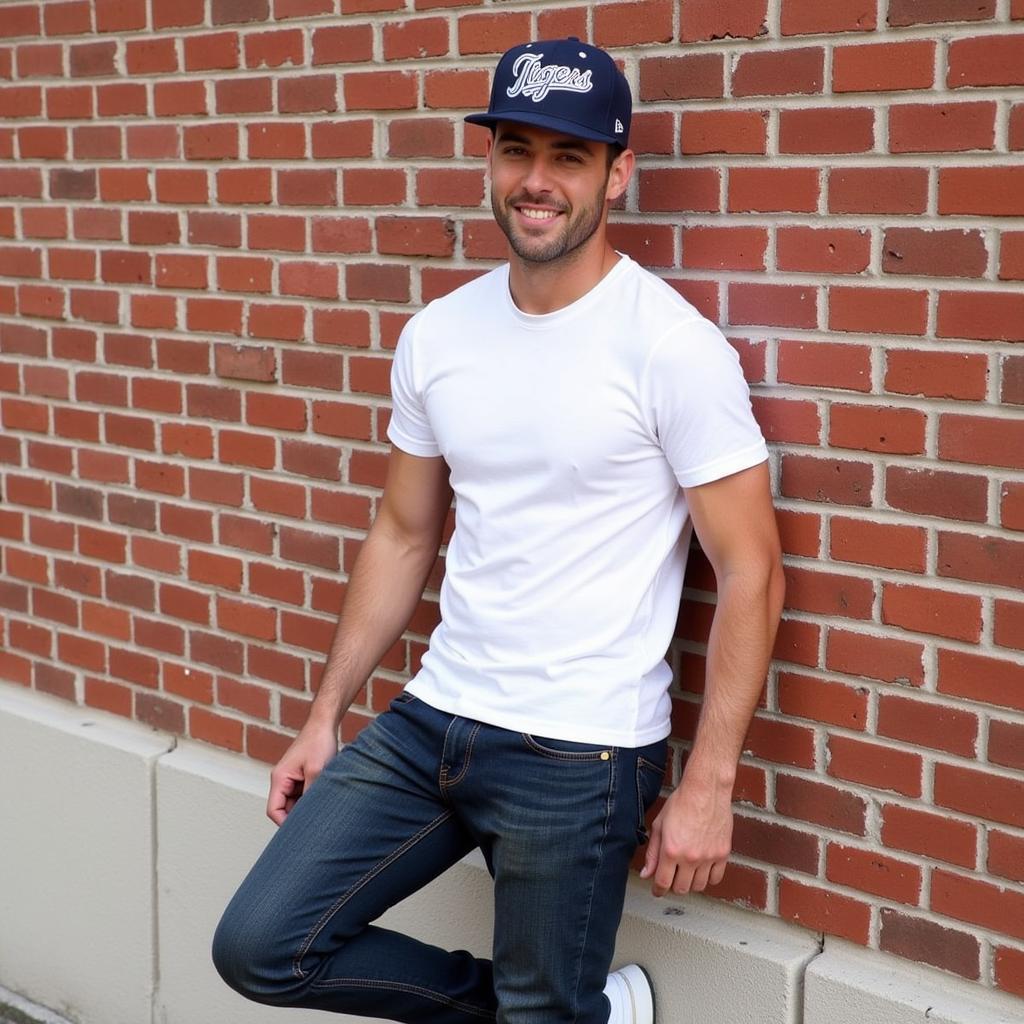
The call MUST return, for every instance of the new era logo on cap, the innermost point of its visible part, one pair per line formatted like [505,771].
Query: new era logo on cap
[563,85]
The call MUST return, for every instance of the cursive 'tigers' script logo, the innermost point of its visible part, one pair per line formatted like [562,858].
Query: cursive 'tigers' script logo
[536,80]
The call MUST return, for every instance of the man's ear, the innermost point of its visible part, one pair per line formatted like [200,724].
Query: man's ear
[619,175]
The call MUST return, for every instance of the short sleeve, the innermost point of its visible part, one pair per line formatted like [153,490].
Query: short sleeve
[409,428]
[697,404]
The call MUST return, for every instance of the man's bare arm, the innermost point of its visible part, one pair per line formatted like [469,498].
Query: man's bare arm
[383,590]
[692,836]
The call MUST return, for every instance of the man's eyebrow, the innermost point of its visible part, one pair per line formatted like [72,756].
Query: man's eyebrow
[567,143]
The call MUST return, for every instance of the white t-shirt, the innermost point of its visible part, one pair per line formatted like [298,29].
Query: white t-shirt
[568,436]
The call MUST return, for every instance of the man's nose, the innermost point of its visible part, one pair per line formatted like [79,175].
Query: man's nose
[538,176]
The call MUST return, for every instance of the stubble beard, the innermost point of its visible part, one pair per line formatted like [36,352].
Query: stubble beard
[580,229]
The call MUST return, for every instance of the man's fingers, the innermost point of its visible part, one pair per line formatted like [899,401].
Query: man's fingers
[282,798]
[718,871]
[653,851]
[700,877]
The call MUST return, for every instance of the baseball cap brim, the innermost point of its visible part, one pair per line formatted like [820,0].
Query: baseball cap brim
[555,124]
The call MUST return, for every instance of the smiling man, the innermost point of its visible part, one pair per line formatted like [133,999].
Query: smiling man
[587,420]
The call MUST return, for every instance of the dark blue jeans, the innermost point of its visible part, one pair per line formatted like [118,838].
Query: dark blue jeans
[557,822]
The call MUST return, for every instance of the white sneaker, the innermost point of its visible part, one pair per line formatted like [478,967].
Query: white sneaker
[631,993]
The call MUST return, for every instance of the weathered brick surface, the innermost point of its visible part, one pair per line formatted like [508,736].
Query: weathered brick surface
[217,215]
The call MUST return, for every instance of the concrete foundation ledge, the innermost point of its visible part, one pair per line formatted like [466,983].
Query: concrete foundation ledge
[77,900]
[848,984]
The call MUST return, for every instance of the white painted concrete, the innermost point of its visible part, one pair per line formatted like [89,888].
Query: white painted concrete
[715,963]
[76,859]
[848,984]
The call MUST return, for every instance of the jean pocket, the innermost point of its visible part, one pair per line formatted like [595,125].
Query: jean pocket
[649,779]
[566,750]
[405,697]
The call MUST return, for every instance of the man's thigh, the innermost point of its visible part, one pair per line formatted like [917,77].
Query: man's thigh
[559,823]
[369,832]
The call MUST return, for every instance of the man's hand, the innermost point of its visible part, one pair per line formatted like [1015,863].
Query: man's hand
[690,839]
[297,770]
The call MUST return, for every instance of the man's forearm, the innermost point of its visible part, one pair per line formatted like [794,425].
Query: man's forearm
[739,650]
[383,589]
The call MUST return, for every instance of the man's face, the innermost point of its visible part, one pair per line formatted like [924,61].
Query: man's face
[548,190]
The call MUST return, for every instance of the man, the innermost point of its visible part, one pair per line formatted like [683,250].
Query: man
[586,418]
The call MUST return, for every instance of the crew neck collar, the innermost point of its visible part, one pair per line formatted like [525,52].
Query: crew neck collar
[547,321]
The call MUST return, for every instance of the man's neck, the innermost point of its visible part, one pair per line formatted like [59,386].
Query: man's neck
[539,288]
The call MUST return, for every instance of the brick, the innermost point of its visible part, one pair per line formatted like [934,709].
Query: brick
[273,231]
[244,95]
[245,185]
[995,191]
[73,18]
[828,593]
[723,131]
[941,127]
[1009,627]
[986,316]
[986,61]
[772,305]
[877,310]
[937,375]
[173,98]
[679,189]
[177,13]
[425,136]
[343,139]
[1001,685]
[711,248]
[875,765]
[486,33]
[214,51]
[805,17]
[729,19]
[380,90]
[823,250]
[276,140]
[450,187]
[980,794]
[424,37]
[341,234]
[927,610]
[1009,963]
[69,102]
[456,89]
[822,701]
[1011,256]
[840,481]
[120,15]
[651,132]
[388,283]
[883,67]
[673,78]
[628,24]
[930,835]
[968,899]
[941,493]
[778,72]
[866,543]
[1006,856]
[923,724]
[981,559]
[877,429]
[307,188]
[87,60]
[152,142]
[934,253]
[883,658]
[277,48]
[651,245]
[820,804]
[337,44]
[1012,390]
[415,236]
[773,189]
[774,843]
[873,872]
[824,911]
[925,941]
[824,365]
[232,12]
[307,94]
[1016,133]
[981,440]
[827,130]
[930,12]
[878,190]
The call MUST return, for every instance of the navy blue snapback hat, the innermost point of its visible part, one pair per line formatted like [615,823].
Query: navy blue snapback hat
[564,85]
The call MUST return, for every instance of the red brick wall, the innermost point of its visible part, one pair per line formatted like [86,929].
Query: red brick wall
[215,216]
